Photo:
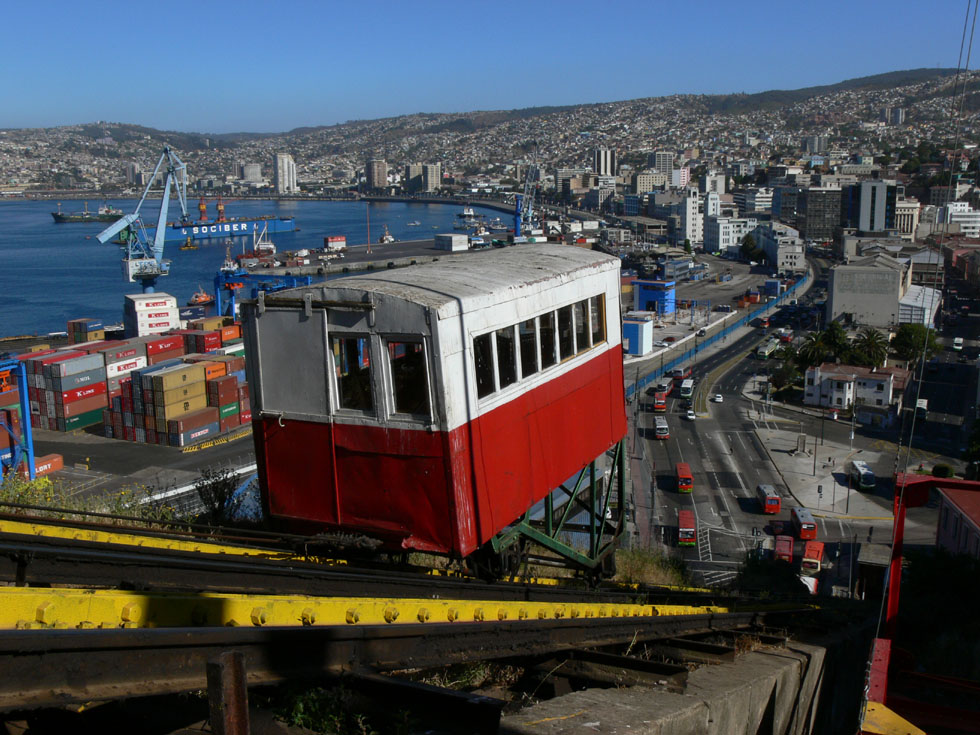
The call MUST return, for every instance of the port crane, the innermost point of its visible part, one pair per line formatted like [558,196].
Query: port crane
[524,203]
[144,262]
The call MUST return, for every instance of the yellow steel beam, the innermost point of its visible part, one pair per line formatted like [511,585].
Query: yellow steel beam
[62,607]
[879,720]
[128,538]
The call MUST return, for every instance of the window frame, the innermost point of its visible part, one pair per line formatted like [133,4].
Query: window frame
[335,390]
[389,378]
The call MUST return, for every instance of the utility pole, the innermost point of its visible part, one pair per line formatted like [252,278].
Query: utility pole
[850,570]
[814,456]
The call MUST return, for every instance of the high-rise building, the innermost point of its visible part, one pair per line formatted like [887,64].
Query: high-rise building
[252,172]
[604,161]
[413,177]
[869,206]
[431,176]
[376,173]
[818,212]
[662,161]
[648,181]
[132,172]
[680,177]
[284,174]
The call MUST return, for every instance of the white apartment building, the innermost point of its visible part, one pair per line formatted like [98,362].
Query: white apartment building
[907,216]
[841,386]
[783,247]
[758,200]
[691,218]
[725,234]
[680,177]
[960,213]
[284,174]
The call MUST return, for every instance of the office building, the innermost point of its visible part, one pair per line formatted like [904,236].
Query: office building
[412,182]
[818,213]
[869,206]
[251,173]
[782,246]
[907,216]
[725,234]
[284,174]
[604,161]
[648,181]
[662,161]
[376,173]
[431,177]
[680,177]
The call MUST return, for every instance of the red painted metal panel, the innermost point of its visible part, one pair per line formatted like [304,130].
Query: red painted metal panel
[441,492]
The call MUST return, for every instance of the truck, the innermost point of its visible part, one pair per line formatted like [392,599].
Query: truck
[784,548]
[812,561]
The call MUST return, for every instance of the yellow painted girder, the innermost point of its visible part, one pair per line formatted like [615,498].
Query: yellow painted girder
[28,608]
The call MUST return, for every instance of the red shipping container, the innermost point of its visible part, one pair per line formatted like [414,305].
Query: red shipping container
[193,420]
[77,408]
[129,434]
[46,465]
[164,356]
[245,416]
[232,422]
[158,345]
[87,391]
[243,391]
[31,355]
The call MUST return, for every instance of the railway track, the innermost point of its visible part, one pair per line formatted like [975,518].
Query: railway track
[91,612]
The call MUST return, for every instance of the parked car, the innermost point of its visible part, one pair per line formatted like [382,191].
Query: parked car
[659,343]
[670,339]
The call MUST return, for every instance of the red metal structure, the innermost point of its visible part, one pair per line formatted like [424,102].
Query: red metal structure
[912,491]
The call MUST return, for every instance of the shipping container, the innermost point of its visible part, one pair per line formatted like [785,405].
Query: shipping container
[179,408]
[192,420]
[178,376]
[194,436]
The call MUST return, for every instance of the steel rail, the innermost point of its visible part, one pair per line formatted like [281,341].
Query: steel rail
[41,561]
[56,667]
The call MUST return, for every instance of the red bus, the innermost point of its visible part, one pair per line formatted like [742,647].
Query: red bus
[660,402]
[803,523]
[764,322]
[687,533]
[812,558]
[681,373]
[784,548]
[768,498]
[685,480]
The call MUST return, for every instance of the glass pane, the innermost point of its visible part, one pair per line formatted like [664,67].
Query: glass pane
[353,373]
[566,343]
[581,311]
[529,347]
[598,316]
[506,357]
[548,356]
[408,377]
[483,358]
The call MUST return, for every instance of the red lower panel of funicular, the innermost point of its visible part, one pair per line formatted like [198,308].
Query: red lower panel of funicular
[446,492]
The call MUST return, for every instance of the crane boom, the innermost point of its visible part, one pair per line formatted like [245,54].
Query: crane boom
[144,260]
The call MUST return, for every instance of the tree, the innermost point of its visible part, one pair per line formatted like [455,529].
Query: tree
[915,340]
[785,374]
[835,338]
[750,250]
[216,488]
[687,246]
[873,345]
[812,351]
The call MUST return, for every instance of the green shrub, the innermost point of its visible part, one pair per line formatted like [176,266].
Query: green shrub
[942,470]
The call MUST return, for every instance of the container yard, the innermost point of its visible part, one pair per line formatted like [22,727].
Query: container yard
[174,387]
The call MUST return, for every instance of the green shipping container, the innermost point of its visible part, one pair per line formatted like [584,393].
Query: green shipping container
[84,419]
[229,409]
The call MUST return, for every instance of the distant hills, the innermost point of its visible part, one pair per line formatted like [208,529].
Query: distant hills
[469,122]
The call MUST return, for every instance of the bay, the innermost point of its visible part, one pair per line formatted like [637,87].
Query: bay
[50,273]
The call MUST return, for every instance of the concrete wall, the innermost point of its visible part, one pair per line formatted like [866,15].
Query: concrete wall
[869,294]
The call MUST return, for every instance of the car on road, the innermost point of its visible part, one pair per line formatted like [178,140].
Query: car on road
[958,344]
[659,343]
[702,332]
[691,415]
[670,339]
[718,398]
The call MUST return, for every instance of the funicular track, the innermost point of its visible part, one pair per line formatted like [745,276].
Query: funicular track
[100,613]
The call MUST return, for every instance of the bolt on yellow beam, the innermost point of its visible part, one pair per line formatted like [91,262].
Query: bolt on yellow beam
[22,607]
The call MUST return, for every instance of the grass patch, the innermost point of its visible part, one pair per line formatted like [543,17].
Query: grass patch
[643,566]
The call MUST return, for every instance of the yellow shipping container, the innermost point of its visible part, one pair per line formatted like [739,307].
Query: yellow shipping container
[180,393]
[179,408]
[176,378]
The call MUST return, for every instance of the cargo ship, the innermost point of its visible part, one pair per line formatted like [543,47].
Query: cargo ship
[231,227]
[105,213]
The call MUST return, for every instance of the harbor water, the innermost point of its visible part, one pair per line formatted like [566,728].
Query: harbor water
[50,273]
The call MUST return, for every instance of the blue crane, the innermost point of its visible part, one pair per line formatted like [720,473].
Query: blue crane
[524,203]
[144,262]
[13,378]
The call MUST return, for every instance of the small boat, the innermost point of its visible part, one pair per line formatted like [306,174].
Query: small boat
[414,223]
[467,212]
[188,245]
[201,297]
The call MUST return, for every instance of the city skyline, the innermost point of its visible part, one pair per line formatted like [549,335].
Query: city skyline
[252,67]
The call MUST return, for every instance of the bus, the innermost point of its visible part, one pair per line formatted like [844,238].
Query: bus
[812,558]
[765,350]
[660,428]
[784,548]
[921,408]
[685,480]
[687,532]
[861,475]
[768,498]
[687,388]
[764,322]
[660,402]
[804,523]
[681,373]
[665,386]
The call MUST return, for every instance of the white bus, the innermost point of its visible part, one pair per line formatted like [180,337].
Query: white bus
[687,388]
[861,475]
[661,430]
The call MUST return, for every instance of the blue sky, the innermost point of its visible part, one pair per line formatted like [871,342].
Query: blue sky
[220,66]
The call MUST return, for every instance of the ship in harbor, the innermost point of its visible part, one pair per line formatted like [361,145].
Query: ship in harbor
[105,213]
[205,228]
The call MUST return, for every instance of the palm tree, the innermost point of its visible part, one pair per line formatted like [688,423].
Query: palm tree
[835,338]
[873,344]
[813,349]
